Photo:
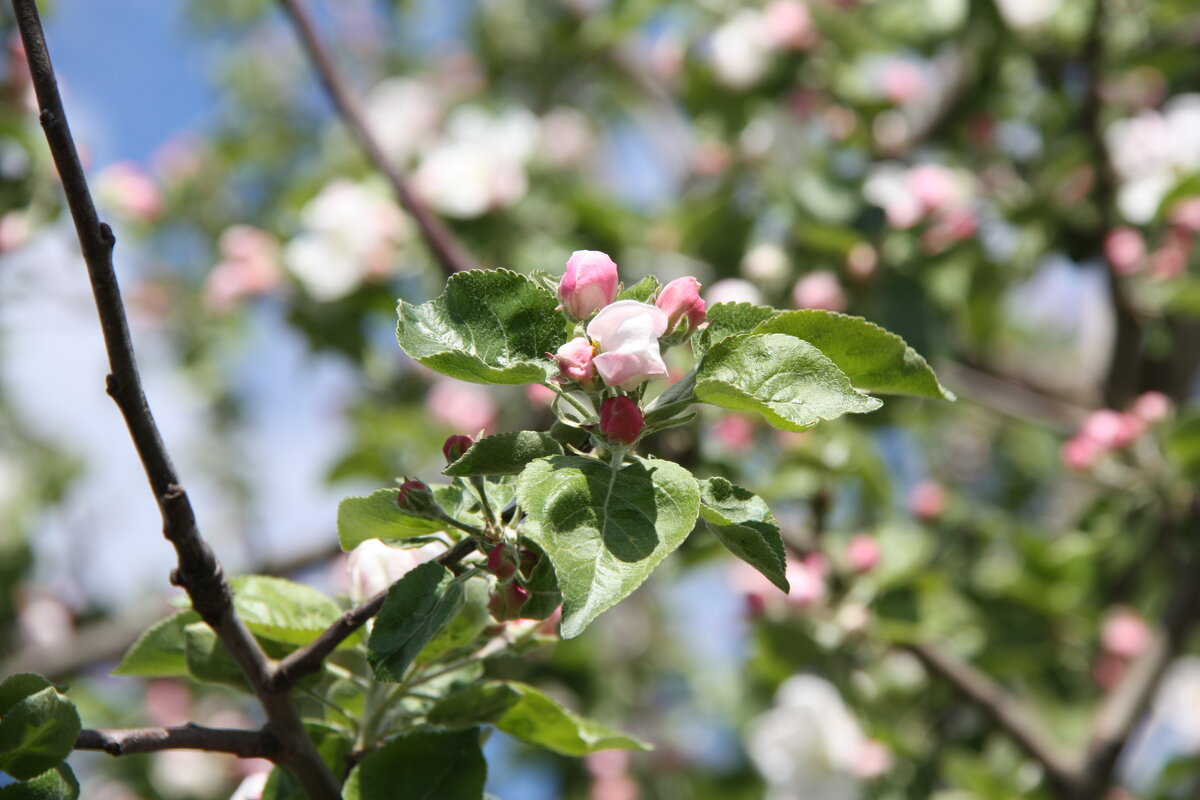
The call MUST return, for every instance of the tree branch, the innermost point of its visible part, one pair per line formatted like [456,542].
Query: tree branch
[1005,710]
[130,741]
[445,247]
[198,572]
[309,658]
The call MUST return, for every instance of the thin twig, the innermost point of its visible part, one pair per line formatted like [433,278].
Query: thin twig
[445,247]
[1005,710]
[130,741]
[199,571]
[309,658]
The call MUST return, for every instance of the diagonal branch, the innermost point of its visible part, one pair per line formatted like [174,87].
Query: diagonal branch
[198,572]
[445,247]
[1005,710]
[309,658]
[130,741]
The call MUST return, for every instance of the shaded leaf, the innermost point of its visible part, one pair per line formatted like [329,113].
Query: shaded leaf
[522,711]
[488,326]
[604,530]
[786,380]
[422,765]
[377,516]
[642,291]
[58,783]
[743,523]
[38,726]
[417,607]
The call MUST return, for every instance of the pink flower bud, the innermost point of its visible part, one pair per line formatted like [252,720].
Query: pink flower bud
[589,284]
[681,298]
[621,420]
[927,500]
[1151,407]
[789,25]
[863,553]
[414,497]
[807,580]
[734,432]
[506,602]
[500,562]
[575,361]
[1186,215]
[1124,633]
[819,290]
[1125,250]
[456,445]
[1080,453]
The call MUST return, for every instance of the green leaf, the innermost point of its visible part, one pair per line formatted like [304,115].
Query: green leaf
[743,523]
[58,783]
[642,291]
[489,326]
[38,726]
[422,765]
[284,611]
[417,607]
[786,380]
[159,651]
[605,531]
[377,516]
[504,454]
[728,319]
[874,359]
[522,711]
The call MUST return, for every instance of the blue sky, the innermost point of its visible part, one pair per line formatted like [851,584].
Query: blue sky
[132,73]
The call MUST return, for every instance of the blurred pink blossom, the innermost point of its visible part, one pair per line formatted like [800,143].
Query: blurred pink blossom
[252,787]
[1124,633]
[733,290]
[461,406]
[819,289]
[1186,214]
[129,192]
[374,566]
[862,261]
[1171,258]
[249,266]
[167,702]
[15,228]
[933,185]
[1080,453]
[872,759]
[806,577]
[789,25]
[900,80]
[1125,249]
[1108,669]
[1110,429]
[927,500]
[539,395]
[863,553]
[1151,407]
[734,432]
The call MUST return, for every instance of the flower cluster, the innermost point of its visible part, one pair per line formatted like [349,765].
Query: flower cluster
[1107,431]
[620,346]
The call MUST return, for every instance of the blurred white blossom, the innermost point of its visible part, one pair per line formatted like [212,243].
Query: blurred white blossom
[352,232]
[403,114]
[809,747]
[1152,151]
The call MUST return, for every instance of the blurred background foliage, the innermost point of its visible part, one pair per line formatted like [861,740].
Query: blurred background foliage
[1011,185]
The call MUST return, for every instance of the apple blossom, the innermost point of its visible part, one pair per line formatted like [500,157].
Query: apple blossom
[927,500]
[680,299]
[1110,429]
[1125,250]
[575,361]
[627,334]
[1080,453]
[621,420]
[589,283]
[461,406]
[1151,407]
[1124,633]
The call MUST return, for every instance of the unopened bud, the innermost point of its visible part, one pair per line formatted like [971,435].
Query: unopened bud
[414,497]
[500,562]
[589,283]
[621,420]
[506,602]
[680,299]
[456,445]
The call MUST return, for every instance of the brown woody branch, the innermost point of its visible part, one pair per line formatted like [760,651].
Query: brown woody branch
[130,741]
[1004,709]
[199,571]
[309,658]
[445,247]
